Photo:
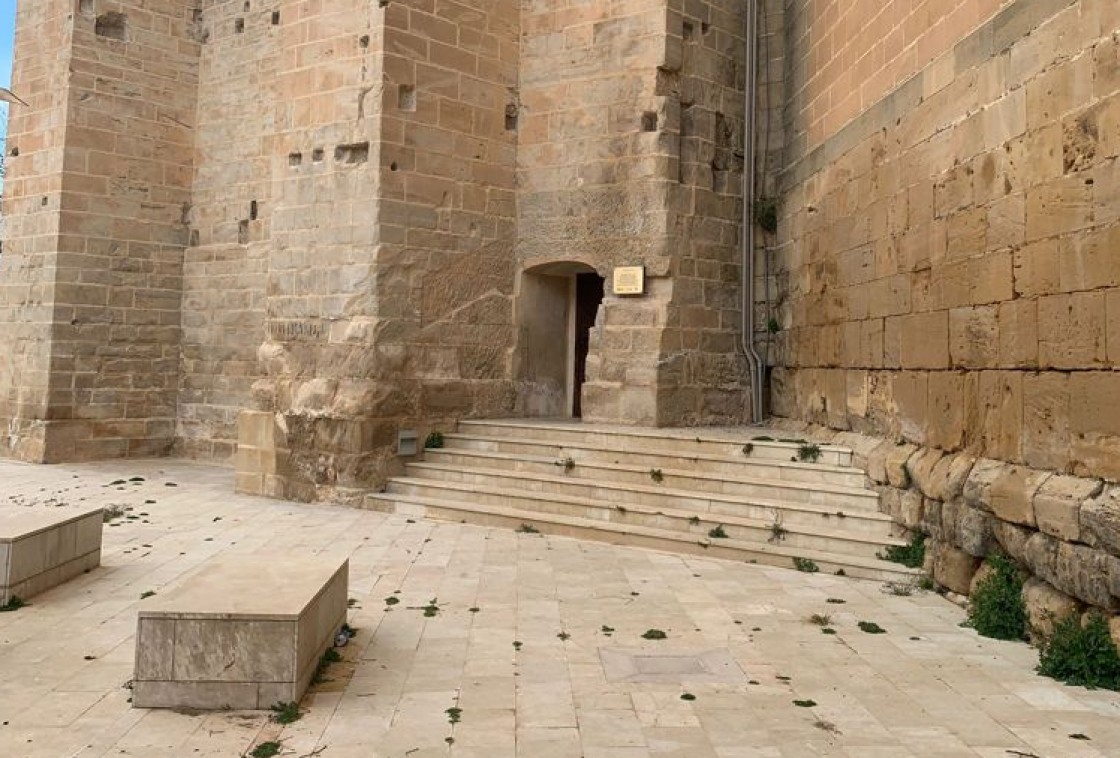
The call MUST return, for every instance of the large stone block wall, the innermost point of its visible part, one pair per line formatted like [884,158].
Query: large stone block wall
[32,198]
[280,233]
[596,143]
[702,375]
[390,268]
[947,257]
[224,274]
[1062,531]
[847,54]
[630,154]
[113,269]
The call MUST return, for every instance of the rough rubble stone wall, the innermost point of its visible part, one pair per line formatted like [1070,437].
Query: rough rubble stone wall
[949,267]
[230,216]
[1062,530]
[118,207]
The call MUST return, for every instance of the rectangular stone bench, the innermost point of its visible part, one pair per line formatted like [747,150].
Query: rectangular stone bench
[42,547]
[244,633]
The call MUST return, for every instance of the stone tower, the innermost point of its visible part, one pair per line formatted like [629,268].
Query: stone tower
[270,232]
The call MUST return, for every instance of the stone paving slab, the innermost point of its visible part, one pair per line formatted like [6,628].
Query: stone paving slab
[927,688]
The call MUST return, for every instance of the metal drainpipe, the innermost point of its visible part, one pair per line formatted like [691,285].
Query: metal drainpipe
[754,360]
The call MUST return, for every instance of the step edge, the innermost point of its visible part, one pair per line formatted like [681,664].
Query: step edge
[684,515]
[576,521]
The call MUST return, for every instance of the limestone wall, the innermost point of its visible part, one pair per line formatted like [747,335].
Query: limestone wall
[702,377]
[389,270]
[231,212]
[1062,531]
[948,269]
[32,197]
[630,154]
[846,56]
[110,221]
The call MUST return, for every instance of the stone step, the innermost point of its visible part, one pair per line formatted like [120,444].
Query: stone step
[782,555]
[678,441]
[829,535]
[630,484]
[666,459]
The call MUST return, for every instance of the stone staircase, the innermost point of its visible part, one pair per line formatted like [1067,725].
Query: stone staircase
[718,493]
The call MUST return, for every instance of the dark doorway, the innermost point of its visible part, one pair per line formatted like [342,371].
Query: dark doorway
[589,296]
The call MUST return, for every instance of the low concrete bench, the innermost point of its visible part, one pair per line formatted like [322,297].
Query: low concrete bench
[244,633]
[42,547]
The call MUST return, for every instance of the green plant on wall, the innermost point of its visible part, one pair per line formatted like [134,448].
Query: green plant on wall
[996,608]
[912,555]
[1081,654]
[765,213]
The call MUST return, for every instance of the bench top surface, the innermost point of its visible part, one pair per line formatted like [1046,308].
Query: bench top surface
[18,522]
[259,587]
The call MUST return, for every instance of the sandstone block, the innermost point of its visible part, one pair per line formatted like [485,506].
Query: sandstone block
[1071,331]
[968,529]
[1012,539]
[1099,520]
[1011,495]
[1045,429]
[895,465]
[932,519]
[877,462]
[925,340]
[890,502]
[1084,573]
[974,336]
[1040,552]
[980,480]
[920,467]
[947,479]
[986,569]
[911,509]
[1057,505]
[947,409]
[1046,606]
[953,568]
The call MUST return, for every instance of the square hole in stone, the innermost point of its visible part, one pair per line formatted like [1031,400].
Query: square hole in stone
[112,26]
[406,97]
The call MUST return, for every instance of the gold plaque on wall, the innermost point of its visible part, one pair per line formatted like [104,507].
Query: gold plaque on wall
[630,280]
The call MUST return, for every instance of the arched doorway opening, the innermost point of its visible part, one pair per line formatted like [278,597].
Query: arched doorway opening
[557,304]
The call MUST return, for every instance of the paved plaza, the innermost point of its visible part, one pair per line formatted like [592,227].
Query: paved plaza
[538,641]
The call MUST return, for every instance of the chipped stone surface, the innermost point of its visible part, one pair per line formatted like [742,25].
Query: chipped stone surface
[1100,520]
[953,568]
[1046,606]
[1057,505]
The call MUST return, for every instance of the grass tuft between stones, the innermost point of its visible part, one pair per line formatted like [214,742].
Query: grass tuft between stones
[911,555]
[286,713]
[265,750]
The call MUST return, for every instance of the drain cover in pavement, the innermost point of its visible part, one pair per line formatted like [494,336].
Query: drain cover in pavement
[621,665]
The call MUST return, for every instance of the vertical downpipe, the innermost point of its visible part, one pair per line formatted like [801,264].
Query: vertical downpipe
[747,237]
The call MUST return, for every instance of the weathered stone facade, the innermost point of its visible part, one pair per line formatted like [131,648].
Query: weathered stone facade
[946,258]
[279,234]
[946,270]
